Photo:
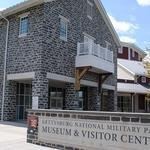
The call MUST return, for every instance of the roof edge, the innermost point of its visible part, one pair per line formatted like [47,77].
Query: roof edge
[123,67]
[108,22]
[132,45]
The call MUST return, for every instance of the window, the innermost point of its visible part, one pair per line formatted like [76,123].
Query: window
[143,79]
[89,9]
[141,102]
[63,28]
[124,104]
[56,98]
[120,51]
[23,26]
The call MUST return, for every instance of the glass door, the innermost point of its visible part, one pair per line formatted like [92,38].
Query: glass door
[24,100]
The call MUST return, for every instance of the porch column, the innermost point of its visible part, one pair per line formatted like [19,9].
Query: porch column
[110,102]
[40,87]
[10,101]
[71,101]
[93,99]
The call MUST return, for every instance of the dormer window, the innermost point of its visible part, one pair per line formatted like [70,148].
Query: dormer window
[89,9]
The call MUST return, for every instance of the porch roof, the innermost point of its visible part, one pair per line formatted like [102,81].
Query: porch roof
[132,88]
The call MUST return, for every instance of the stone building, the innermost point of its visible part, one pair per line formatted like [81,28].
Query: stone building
[62,54]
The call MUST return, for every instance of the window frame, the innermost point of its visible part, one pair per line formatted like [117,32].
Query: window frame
[143,79]
[65,21]
[90,14]
[21,17]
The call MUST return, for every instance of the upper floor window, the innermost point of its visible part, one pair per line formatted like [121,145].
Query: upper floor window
[120,50]
[89,9]
[23,30]
[63,28]
[143,79]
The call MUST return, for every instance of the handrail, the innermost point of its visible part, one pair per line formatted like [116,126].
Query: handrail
[96,50]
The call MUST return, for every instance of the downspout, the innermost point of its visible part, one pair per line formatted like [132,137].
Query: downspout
[5,65]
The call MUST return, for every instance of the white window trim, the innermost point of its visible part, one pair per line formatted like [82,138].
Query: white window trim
[91,4]
[63,18]
[143,79]
[89,36]
[22,16]
[66,21]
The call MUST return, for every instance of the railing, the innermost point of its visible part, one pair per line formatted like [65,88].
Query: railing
[96,50]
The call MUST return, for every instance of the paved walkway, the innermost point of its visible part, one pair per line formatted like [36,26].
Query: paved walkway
[13,137]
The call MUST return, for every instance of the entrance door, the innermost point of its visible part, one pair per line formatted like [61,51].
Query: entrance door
[23,100]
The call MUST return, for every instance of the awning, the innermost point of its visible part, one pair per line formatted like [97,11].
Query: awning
[132,88]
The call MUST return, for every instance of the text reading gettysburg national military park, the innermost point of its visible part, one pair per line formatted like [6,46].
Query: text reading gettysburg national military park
[94,133]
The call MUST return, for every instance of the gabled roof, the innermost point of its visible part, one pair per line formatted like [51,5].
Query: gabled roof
[134,67]
[30,3]
[134,47]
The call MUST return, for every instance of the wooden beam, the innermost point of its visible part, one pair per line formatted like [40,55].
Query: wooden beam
[105,78]
[79,74]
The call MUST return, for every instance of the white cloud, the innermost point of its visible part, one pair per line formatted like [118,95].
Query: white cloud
[123,26]
[144,2]
[2,9]
[127,39]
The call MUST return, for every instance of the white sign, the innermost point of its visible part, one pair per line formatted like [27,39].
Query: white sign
[94,135]
[35,102]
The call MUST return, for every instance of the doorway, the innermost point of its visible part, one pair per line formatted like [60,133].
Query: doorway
[23,100]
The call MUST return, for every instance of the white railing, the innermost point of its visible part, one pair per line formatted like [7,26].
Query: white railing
[96,50]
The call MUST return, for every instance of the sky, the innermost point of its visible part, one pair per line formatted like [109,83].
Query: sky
[131,19]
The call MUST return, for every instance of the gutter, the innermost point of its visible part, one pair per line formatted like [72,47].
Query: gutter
[5,65]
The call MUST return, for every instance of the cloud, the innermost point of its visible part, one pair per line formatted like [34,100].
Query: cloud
[123,26]
[127,39]
[2,9]
[143,2]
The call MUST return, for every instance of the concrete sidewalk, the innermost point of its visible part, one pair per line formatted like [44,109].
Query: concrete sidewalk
[13,137]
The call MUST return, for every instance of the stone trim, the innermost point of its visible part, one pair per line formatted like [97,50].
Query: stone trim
[21,76]
[72,80]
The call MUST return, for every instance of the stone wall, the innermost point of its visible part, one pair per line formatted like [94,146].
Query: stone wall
[126,119]
[42,50]
[10,101]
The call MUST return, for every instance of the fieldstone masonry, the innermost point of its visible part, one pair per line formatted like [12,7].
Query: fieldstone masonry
[10,100]
[125,118]
[40,87]
[93,99]
[42,51]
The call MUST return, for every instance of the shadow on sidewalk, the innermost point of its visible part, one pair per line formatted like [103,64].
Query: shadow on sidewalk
[22,124]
